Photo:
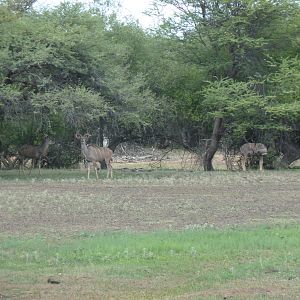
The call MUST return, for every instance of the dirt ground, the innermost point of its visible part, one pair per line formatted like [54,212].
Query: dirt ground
[70,206]
[217,199]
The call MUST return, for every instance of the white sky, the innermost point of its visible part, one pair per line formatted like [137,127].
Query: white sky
[134,8]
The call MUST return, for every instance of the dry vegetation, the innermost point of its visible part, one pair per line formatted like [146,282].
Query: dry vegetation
[148,200]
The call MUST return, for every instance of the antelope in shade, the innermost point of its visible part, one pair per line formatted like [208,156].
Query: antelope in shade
[94,154]
[34,152]
[251,149]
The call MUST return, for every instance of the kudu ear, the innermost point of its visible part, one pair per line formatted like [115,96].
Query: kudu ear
[87,135]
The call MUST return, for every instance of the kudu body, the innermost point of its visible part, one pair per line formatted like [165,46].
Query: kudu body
[94,154]
[34,152]
[251,149]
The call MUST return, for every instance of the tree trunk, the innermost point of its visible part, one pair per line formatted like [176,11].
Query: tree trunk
[100,134]
[213,145]
[115,141]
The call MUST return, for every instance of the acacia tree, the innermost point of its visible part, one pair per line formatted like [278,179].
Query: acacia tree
[230,39]
[284,86]
[66,69]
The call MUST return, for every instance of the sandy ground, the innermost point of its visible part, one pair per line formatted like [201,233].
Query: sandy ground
[216,199]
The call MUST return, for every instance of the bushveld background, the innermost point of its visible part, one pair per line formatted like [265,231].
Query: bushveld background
[216,75]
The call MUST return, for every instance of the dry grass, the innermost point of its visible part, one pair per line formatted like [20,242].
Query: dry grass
[147,200]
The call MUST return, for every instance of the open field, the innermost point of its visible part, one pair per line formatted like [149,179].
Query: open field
[160,234]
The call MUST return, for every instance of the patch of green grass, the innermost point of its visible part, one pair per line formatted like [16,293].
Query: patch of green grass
[187,261]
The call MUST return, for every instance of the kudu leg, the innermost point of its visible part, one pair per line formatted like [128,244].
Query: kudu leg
[109,169]
[243,161]
[39,166]
[89,169]
[32,166]
[96,167]
[21,167]
[261,163]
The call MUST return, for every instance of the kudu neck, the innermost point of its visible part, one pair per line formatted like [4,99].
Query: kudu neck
[45,145]
[84,147]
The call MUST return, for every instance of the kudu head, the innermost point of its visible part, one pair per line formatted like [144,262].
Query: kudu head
[48,141]
[83,139]
[261,149]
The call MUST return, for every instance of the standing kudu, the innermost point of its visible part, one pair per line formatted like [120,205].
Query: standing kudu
[94,154]
[251,149]
[34,152]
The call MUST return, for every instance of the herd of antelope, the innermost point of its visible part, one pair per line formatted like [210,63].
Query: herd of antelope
[91,153]
[94,154]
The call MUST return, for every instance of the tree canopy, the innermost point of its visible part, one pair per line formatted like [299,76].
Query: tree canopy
[228,67]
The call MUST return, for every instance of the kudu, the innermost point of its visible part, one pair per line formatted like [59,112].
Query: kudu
[34,152]
[94,154]
[252,149]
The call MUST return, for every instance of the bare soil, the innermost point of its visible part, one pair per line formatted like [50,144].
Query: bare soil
[217,199]
[143,203]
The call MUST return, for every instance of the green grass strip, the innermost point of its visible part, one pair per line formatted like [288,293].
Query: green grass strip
[247,249]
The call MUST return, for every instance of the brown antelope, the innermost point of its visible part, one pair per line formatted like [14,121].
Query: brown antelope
[251,149]
[94,154]
[34,152]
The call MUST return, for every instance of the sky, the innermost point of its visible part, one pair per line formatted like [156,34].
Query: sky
[134,8]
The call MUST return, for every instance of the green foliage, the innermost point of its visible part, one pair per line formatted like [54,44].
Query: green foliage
[74,67]
[284,84]
[232,38]
[70,64]
[231,44]
[18,6]
[245,110]
[78,106]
